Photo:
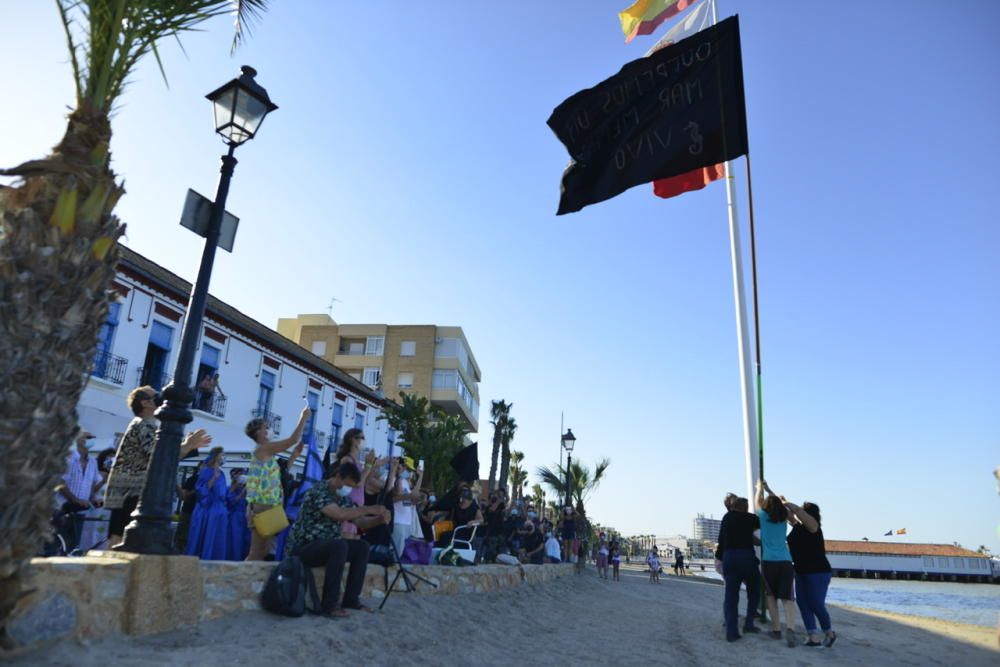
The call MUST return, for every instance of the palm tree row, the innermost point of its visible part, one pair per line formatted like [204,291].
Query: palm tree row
[504,428]
[57,259]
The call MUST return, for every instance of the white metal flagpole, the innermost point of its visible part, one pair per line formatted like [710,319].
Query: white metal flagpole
[750,448]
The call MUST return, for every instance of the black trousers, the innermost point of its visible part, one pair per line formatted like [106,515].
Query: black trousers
[333,554]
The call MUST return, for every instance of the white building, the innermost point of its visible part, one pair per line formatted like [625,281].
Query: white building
[706,529]
[262,373]
[906,560]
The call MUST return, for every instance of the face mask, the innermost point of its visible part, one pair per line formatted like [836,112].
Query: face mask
[405,475]
[513,512]
[344,491]
[532,515]
[432,500]
[548,536]
[222,460]
[110,462]
[241,479]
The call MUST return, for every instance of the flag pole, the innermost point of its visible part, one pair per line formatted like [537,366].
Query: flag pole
[750,432]
[756,324]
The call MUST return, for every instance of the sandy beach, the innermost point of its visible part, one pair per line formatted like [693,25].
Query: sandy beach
[572,621]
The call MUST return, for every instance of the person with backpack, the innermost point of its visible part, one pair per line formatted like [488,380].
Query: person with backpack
[316,538]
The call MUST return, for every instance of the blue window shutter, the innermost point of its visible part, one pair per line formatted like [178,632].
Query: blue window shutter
[338,414]
[210,356]
[160,335]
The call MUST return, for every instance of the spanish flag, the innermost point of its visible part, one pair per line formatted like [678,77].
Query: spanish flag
[901,531]
[644,16]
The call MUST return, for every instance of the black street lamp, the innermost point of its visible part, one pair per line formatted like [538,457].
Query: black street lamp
[568,440]
[240,107]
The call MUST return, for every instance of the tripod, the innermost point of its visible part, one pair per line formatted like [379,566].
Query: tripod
[402,571]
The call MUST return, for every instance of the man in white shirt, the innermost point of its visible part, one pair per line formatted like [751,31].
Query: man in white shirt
[405,494]
[553,552]
[79,482]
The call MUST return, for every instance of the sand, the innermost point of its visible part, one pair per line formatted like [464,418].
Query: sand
[573,621]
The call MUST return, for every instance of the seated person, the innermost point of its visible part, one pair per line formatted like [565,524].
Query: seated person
[315,538]
[466,513]
[510,530]
[553,551]
[533,543]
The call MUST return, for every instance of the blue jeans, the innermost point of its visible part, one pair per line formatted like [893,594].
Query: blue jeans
[739,566]
[810,593]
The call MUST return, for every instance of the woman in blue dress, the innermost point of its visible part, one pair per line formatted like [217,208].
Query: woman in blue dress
[209,532]
[239,532]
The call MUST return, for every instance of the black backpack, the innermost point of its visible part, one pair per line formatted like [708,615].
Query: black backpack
[286,589]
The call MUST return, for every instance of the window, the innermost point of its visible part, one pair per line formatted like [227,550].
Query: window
[104,365]
[408,348]
[374,346]
[356,375]
[209,362]
[359,420]
[336,423]
[313,399]
[319,347]
[372,376]
[266,392]
[157,351]
[405,380]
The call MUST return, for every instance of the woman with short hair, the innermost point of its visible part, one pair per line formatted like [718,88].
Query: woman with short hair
[264,477]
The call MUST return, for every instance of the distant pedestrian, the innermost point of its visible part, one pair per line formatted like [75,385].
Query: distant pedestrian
[653,562]
[739,564]
[616,559]
[209,532]
[679,562]
[776,562]
[567,529]
[76,491]
[207,388]
[602,556]
[189,498]
[812,571]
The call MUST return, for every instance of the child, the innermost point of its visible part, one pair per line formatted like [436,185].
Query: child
[653,561]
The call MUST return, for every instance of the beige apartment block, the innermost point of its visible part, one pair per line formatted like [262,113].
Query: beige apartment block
[421,359]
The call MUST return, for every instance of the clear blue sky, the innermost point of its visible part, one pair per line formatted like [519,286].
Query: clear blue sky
[409,172]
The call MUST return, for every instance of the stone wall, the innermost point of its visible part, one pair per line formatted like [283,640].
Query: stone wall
[127,593]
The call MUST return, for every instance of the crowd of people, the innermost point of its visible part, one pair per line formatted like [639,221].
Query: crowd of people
[793,567]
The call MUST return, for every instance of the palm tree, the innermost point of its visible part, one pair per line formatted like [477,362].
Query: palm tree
[427,433]
[583,482]
[506,435]
[538,497]
[58,257]
[499,411]
[518,476]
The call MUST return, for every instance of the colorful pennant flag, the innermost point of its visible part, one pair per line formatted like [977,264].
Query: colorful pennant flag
[678,110]
[901,531]
[698,19]
[645,16]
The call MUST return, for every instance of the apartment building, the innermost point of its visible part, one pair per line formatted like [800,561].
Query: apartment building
[423,359]
[262,373]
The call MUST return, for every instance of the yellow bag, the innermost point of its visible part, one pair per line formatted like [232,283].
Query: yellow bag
[442,527]
[270,522]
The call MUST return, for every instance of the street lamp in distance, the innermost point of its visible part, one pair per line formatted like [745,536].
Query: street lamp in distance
[240,107]
[568,442]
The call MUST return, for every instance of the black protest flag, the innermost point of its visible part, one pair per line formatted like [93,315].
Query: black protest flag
[678,109]
[466,463]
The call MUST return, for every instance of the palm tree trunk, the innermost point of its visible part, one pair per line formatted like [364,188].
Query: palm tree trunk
[57,259]
[497,430]
[505,464]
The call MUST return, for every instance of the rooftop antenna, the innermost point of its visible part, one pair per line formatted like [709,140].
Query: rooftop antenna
[329,309]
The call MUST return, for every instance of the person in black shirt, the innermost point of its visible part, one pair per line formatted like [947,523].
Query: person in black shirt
[186,492]
[739,565]
[494,528]
[812,570]
[534,543]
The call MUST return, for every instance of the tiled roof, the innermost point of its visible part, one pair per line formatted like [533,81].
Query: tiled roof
[900,549]
[223,312]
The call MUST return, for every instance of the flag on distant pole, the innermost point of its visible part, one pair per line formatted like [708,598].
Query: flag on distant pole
[643,17]
[887,534]
[698,19]
[901,531]
[681,108]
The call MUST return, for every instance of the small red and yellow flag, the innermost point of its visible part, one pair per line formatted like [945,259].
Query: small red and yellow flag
[901,531]
[644,16]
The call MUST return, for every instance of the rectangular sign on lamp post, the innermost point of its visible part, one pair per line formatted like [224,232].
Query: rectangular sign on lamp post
[196,215]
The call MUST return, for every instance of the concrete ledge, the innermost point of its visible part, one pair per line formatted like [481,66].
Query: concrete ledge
[114,592]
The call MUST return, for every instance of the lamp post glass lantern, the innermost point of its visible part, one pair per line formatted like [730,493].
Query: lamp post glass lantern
[240,108]
[568,441]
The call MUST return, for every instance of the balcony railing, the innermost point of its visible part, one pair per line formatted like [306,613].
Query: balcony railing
[213,404]
[155,380]
[273,420]
[109,367]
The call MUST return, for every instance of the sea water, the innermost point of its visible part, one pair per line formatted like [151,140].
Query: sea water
[978,604]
